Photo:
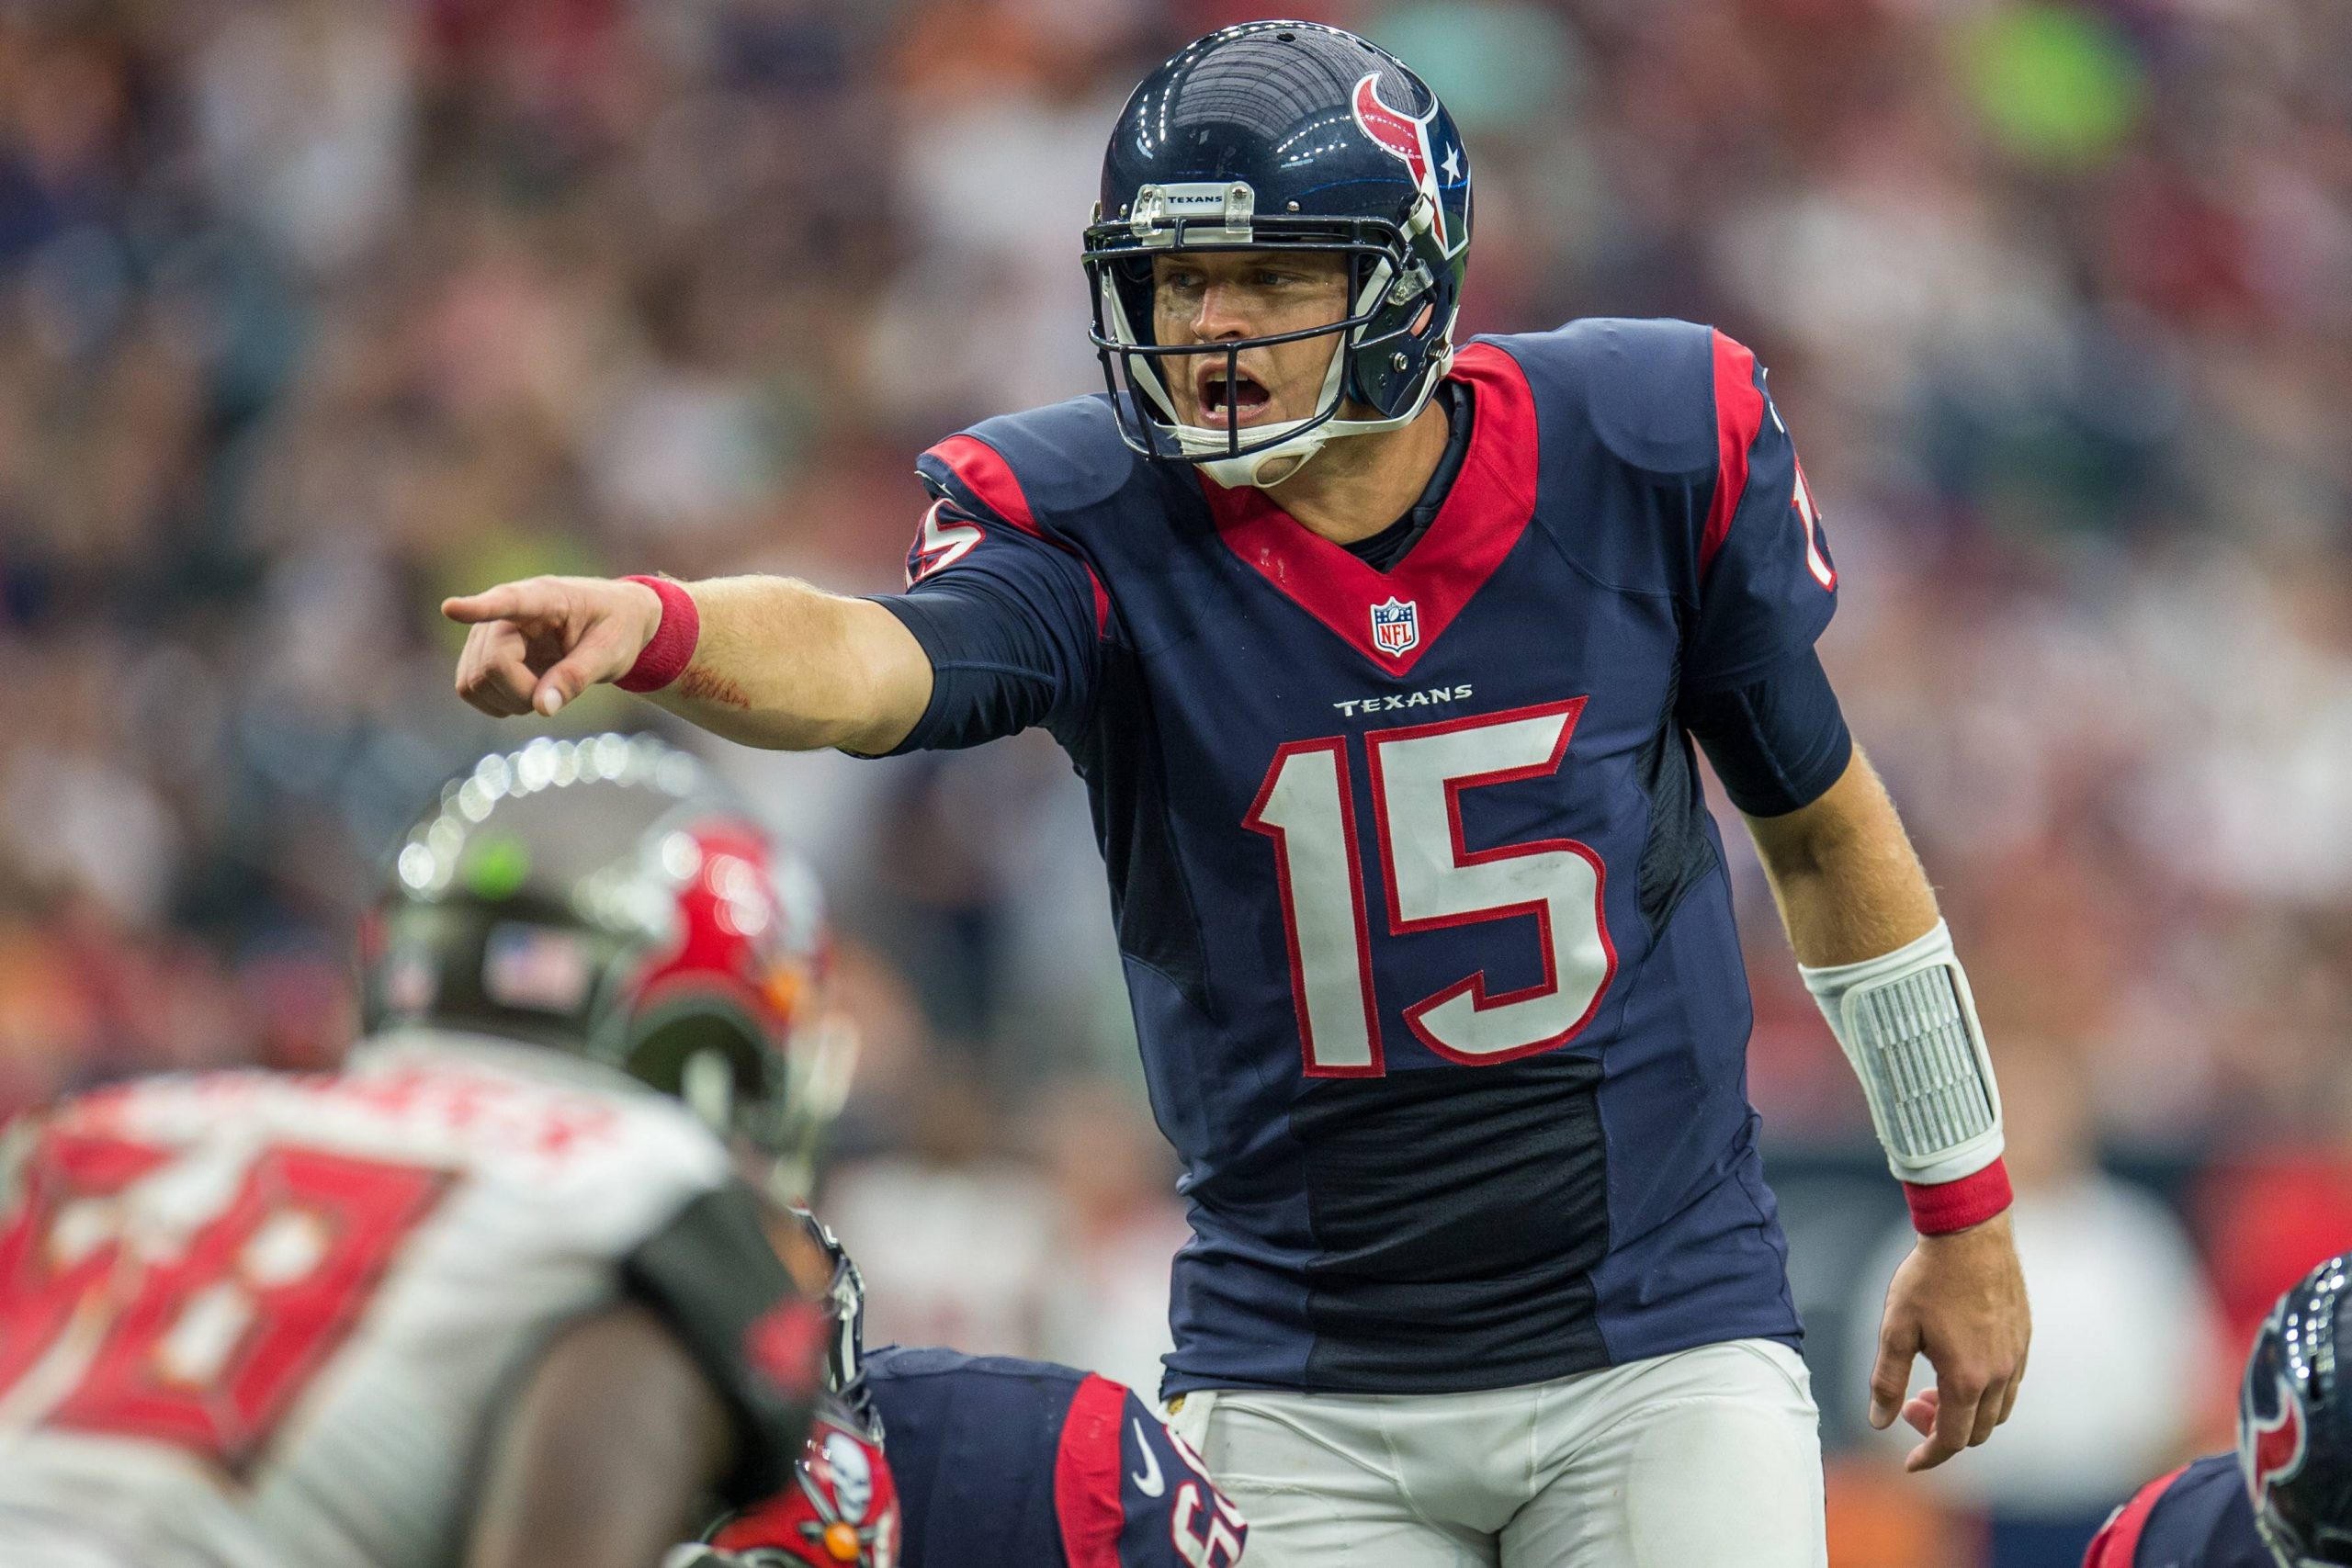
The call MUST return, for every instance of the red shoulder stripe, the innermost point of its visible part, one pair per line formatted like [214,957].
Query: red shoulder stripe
[988,476]
[1739,415]
[1087,1498]
[2117,1545]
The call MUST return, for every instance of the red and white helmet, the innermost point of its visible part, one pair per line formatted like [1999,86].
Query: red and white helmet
[606,896]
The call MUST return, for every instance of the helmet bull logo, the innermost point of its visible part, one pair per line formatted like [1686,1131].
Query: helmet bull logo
[1405,139]
[2279,1443]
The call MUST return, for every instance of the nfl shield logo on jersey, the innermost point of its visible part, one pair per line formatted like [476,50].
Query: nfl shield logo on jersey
[1397,625]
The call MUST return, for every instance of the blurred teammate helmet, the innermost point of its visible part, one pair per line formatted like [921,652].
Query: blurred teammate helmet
[1272,135]
[2295,1423]
[841,1510]
[605,896]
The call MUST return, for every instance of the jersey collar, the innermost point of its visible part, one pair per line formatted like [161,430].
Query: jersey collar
[1393,617]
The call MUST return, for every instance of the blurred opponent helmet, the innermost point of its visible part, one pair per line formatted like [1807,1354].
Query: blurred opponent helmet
[1271,135]
[2295,1423]
[606,897]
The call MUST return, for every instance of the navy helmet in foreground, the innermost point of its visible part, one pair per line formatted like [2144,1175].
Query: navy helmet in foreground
[2295,1422]
[1271,135]
[2284,1498]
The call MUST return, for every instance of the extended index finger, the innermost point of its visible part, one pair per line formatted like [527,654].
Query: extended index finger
[507,602]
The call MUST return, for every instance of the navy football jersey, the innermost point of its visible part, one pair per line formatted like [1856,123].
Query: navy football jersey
[2199,1516]
[1425,925]
[1001,1460]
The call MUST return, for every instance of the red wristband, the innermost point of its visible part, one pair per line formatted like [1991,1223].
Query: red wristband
[673,647]
[1955,1205]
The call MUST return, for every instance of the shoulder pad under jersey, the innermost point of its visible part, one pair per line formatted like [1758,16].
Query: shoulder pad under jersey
[1646,388]
[1036,468]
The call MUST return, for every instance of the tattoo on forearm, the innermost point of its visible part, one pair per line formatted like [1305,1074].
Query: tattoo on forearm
[702,687]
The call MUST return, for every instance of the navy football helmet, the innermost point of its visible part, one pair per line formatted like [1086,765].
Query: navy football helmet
[1282,134]
[2295,1423]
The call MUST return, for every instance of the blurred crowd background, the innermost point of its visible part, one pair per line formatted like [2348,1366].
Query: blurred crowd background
[313,311]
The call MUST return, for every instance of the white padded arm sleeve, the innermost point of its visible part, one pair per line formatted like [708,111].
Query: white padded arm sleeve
[1906,1022]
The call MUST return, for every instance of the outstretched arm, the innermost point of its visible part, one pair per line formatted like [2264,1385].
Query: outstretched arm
[1851,891]
[777,662]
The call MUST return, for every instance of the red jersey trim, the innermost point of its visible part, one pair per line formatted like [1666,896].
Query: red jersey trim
[2117,1545]
[1483,516]
[1086,1499]
[1475,984]
[1739,417]
[989,478]
[1956,1206]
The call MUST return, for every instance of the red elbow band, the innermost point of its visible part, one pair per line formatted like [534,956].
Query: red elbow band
[1955,1205]
[673,647]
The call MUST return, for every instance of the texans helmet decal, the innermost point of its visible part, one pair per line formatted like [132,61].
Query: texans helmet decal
[1407,139]
[2277,1445]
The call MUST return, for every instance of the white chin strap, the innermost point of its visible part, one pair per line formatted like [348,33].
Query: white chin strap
[1289,442]
[1272,466]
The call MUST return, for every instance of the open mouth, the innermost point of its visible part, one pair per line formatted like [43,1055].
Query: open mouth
[1230,398]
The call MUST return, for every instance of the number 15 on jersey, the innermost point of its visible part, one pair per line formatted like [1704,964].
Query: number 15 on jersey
[1433,879]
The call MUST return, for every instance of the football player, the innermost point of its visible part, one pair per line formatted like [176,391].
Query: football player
[942,1460]
[1381,656]
[2284,1498]
[494,1293]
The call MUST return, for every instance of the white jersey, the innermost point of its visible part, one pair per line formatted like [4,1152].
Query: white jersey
[257,1320]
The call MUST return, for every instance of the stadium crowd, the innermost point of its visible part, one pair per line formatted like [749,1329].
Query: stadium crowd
[312,310]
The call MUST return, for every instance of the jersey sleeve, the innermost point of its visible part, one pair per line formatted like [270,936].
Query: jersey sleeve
[1778,741]
[1133,1495]
[1011,617]
[1766,586]
[713,1276]
[2117,1545]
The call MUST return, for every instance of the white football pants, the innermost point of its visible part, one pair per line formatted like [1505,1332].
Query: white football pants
[1708,1457]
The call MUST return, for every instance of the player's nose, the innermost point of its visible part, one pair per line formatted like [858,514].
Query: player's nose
[1222,314]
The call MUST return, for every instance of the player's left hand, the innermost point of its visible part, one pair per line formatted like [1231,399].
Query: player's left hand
[1960,1300]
